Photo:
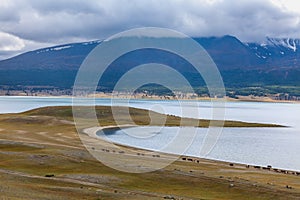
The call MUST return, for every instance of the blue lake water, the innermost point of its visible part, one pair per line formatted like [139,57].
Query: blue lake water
[257,146]
[279,147]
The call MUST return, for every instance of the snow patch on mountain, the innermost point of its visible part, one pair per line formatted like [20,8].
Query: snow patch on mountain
[276,48]
[68,46]
[60,48]
[288,43]
[57,48]
[92,42]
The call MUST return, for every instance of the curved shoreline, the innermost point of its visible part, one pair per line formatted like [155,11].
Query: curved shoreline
[63,163]
[92,132]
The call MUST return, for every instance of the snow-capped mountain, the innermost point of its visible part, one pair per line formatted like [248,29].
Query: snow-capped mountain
[278,52]
[273,61]
[285,43]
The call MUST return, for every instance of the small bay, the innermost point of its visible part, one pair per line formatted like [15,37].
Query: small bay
[279,147]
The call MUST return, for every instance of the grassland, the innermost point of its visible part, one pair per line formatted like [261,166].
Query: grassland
[135,116]
[42,157]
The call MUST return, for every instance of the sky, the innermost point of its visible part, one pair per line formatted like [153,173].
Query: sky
[31,24]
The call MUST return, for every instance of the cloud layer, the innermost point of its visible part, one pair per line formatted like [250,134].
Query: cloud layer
[28,24]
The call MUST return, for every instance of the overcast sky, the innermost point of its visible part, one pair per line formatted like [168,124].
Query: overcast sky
[31,24]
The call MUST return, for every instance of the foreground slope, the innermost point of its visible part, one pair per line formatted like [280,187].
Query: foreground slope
[42,158]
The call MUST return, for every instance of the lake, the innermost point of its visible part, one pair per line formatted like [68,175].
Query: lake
[279,147]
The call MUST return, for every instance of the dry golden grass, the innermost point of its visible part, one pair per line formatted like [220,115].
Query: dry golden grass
[139,117]
[32,148]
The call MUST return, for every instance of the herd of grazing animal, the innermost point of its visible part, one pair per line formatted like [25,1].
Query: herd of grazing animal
[269,167]
[195,160]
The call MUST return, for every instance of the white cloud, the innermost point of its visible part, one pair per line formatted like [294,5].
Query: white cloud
[64,21]
[10,42]
[288,5]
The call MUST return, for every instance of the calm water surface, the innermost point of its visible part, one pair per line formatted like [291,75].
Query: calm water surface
[279,147]
[258,146]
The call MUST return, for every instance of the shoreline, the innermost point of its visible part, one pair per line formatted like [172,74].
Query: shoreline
[226,99]
[52,156]
[92,132]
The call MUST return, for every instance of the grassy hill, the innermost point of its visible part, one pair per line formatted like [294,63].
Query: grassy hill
[139,116]
[42,157]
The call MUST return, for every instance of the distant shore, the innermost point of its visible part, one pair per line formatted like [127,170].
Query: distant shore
[141,96]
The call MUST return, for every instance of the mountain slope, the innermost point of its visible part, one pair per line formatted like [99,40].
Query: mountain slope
[62,57]
[229,53]
[54,66]
[273,62]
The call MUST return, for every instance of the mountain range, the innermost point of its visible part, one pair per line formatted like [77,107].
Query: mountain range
[272,62]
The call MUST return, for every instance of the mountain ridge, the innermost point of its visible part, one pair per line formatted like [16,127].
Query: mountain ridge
[275,61]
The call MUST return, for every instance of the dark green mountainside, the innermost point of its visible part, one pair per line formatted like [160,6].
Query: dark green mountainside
[247,68]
